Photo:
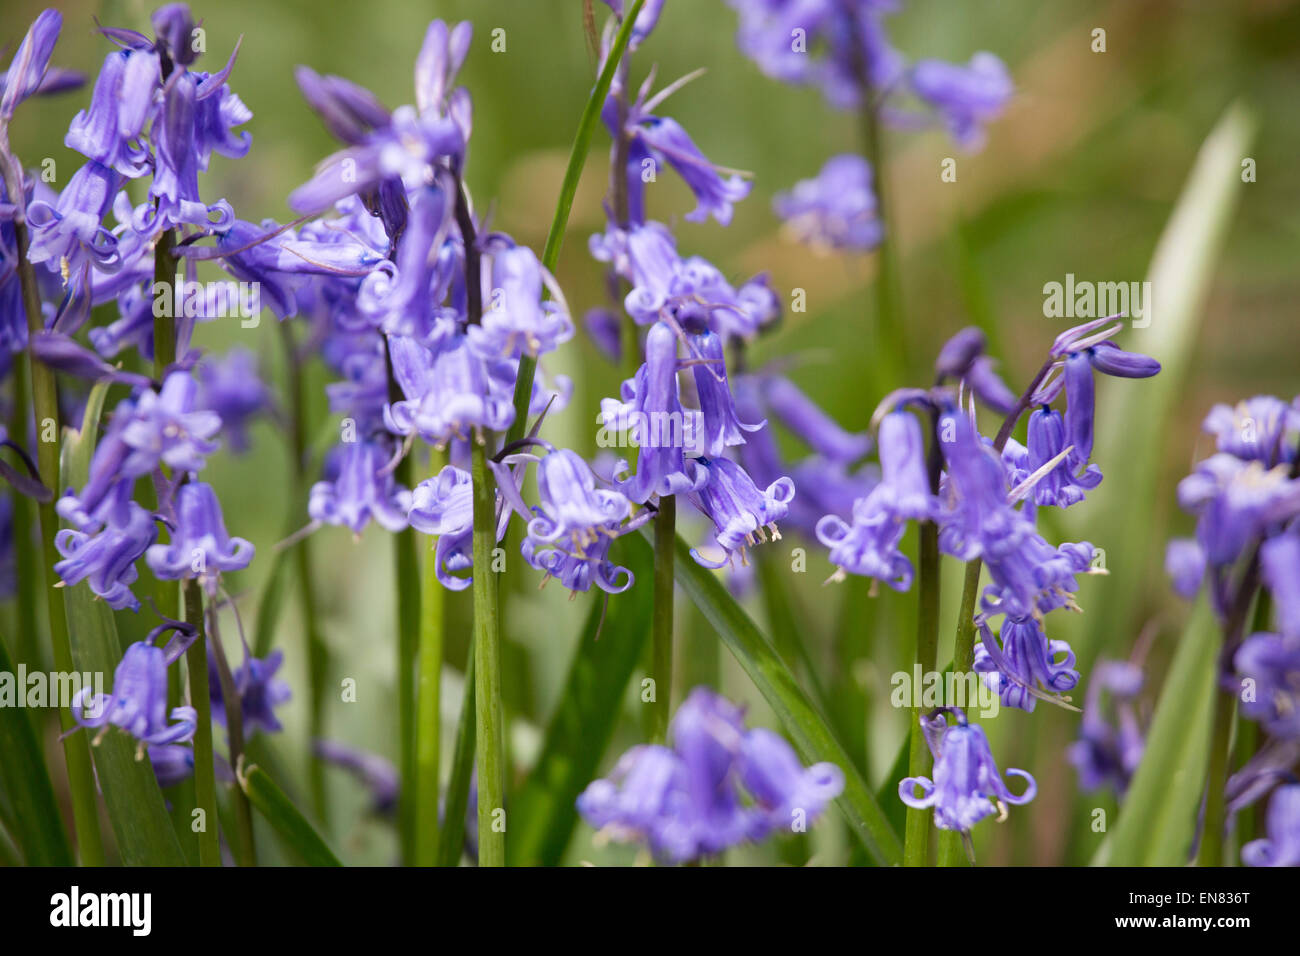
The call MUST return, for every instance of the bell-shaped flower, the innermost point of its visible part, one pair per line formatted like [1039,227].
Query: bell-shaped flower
[169,427]
[834,210]
[1021,660]
[1110,742]
[106,559]
[260,692]
[742,515]
[200,546]
[1282,845]
[360,489]
[791,794]
[722,425]
[444,506]
[1269,667]
[138,702]
[515,320]
[1255,429]
[448,392]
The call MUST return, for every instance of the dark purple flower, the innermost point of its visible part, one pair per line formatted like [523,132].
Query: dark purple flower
[1021,659]
[107,559]
[260,692]
[967,786]
[200,547]
[1282,846]
[173,25]
[109,131]
[378,775]
[834,210]
[722,425]
[1063,485]
[172,763]
[138,703]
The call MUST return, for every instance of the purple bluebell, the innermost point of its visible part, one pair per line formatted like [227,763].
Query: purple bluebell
[231,387]
[722,425]
[173,25]
[138,702]
[109,131]
[27,72]
[810,423]
[1271,665]
[967,786]
[172,763]
[1255,429]
[200,546]
[260,692]
[834,210]
[1279,562]
[358,489]
[515,320]
[348,111]
[1235,502]
[652,410]
[1282,845]
[965,97]
[447,392]
[1064,485]
[444,506]
[1021,659]
[1185,565]
[170,428]
[106,559]
[71,232]
[742,514]
[788,792]
[1110,742]
[570,535]
[645,20]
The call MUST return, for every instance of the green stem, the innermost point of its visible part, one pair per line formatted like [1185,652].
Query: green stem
[317,654]
[205,781]
[568,189]
[916,836]
[25,519]
[164,326]
[45,404]
[1225,713]
[428,730]
[661,617]
[245,848]
[487,660]
[450,843]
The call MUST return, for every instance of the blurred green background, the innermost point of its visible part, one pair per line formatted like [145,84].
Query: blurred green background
[1079,176]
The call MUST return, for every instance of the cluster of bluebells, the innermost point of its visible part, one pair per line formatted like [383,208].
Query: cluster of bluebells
[153,116]
[1246,500]
[984,496]
[719,784]
[843,47]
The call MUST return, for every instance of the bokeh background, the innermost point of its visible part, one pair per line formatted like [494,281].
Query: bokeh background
[1079,176]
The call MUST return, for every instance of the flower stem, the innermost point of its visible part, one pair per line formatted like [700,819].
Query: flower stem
[661,617]
[317,658]
[45,404]
[428,712]
[489,729]
[164,326]
[205,781]
[451,840]
[245,846]
[952,850]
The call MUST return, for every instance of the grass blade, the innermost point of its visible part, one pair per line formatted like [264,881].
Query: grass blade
[278,810]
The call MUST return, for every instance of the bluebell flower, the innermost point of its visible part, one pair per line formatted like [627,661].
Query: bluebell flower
[742,515]
[230,387]
[138,702]
[71,232]
[834,210]
[1271,662]
[966,97]
[27,73]
[810,423]
[1235,501]
[1110,742]
[660,139]
[663,430]
[645,20]
[1255,429]
[260,692]
[444,506]
[200,547]
[173,25]
[516,321]
[967,786]
[106,559]
[787,791]
[359,489]
[1063,485]
[172,763]
[448,393]
[1279,562]
[1282,845]
[170,428]
[122,104]
[1185,565]
[1021,659]
[721,423]
[570,535]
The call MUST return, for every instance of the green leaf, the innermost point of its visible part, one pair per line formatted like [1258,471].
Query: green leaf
[279,811]
[543,812]
[1157,822]
[28,809]
[135,805]
[812,738]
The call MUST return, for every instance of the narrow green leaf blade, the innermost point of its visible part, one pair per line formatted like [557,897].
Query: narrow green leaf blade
[27,806]
[812,738]
[544,814]
[1157,822]
[278,810]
